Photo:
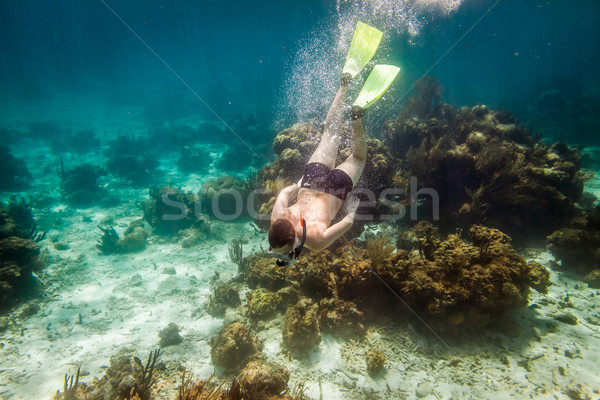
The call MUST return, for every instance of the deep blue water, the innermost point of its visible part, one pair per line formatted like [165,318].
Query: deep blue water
[238,55]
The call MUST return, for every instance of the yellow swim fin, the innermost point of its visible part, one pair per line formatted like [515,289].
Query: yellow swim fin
[363,47]
[377,83]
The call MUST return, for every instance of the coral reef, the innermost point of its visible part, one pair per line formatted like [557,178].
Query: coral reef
[171,210]
[127,378]
[131,159]
[485,167]
[224,197]
[261,380]
[170,336]
[234,346]
[262,303]
[578,246]
[19,252]
[80,186]
[375,360]
[301,332]
[223,296]
[454,284]
[341,318]
[134,239]
[14,174]
[264,272]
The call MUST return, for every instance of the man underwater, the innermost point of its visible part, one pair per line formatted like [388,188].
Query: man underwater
[324,187]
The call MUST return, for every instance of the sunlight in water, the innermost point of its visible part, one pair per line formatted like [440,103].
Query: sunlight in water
[314,73]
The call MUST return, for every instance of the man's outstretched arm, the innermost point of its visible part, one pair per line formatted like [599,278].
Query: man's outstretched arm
[335,231]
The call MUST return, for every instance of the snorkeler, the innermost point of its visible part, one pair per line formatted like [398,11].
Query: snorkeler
[324,187]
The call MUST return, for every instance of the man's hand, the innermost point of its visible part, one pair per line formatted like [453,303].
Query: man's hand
[351,205]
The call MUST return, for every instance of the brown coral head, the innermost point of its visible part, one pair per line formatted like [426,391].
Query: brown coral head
[281,234]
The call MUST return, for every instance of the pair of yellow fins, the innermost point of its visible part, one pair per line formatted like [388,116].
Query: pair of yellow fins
[363,47]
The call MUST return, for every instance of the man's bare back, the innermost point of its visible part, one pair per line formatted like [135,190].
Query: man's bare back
[316,208]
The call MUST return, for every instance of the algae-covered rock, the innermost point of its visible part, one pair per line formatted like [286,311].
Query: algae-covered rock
[341,318]
[263,380]
[262,303]
[301,332]
[264,272]
[223,296]
[233,346]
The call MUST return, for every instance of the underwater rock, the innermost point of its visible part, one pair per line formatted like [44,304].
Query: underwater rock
[170,336]
[301,332]
[223,296]
[375,360]
[262,303]
[566,318]
[193,160]
[263,380]
[233,346]
[224,197]
[14,174]
[132,159]
[134,241]
[135,280]
[171,210]
[29,310]
[423,389]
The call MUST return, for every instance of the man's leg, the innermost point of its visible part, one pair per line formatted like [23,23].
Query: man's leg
[355,163]
[326,152]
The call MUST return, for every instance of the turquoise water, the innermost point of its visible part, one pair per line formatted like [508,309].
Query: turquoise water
[104,102]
